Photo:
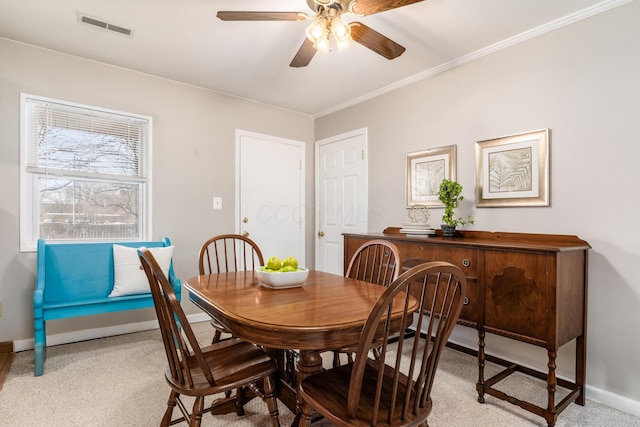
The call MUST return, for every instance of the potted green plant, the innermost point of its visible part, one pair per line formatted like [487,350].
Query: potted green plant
[450,194]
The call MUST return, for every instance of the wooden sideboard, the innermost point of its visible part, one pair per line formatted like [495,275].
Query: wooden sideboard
[527,287]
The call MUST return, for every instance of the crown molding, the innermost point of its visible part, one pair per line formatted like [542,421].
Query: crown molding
[511,41]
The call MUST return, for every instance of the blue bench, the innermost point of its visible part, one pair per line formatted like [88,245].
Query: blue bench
[75,279]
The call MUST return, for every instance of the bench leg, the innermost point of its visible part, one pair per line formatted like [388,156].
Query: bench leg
[40,346]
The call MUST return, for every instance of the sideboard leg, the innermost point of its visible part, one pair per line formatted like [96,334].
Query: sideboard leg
[581,370]
[551,389]
[481,359]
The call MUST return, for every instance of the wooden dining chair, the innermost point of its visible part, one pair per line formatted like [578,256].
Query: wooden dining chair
[228,253]
[394,389]
[375,261]
[197,371]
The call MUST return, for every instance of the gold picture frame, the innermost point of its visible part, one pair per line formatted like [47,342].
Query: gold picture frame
[513,170]
[424,172]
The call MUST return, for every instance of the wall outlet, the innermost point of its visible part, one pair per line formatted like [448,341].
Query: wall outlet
[217,203]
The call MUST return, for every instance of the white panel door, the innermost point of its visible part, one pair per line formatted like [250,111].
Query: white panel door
[341,196]
[270,194]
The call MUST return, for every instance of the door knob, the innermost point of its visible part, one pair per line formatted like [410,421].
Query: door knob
[321,233]
[245,233]
[245,220]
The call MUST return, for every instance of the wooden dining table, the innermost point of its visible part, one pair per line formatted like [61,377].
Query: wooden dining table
[327,312]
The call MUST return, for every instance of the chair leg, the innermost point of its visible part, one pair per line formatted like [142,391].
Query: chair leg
[376,353]
[196,415]
[166,419]
[239,401]
[336,359]
[216,336]
[307,414]
[272,403]
[349,357]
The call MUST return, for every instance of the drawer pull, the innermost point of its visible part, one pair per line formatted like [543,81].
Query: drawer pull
[465,301]
[466,262]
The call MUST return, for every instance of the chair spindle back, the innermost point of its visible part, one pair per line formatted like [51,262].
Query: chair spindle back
[441,293]
[375,261]
[229,253]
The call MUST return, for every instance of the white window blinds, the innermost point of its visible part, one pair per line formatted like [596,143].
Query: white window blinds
[83,142]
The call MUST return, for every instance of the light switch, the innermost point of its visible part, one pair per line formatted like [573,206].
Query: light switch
[217,203]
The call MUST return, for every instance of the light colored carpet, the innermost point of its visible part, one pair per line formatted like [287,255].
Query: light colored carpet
[119,381]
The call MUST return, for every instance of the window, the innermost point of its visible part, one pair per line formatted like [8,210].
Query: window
[84,173]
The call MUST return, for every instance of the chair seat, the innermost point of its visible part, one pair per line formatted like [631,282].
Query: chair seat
[233,363]
[329,389]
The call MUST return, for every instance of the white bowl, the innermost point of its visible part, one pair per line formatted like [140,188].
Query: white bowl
[277,280]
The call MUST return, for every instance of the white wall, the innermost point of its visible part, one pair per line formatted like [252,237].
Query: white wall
[583,83]
[193,147]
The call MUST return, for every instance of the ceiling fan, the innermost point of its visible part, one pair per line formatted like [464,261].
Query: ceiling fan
[327,22]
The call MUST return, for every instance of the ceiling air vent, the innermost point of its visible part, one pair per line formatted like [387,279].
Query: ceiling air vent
[104,25]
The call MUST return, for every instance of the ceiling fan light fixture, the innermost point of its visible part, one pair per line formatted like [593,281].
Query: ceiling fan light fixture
[317,29]
[323,44]
[341,32]
[343,44]
[328,22]
[340,29]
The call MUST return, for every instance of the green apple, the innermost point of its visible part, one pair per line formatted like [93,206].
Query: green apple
[274,263]
[288,268]
[290,262]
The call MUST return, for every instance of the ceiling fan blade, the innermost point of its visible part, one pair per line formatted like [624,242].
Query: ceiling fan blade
[375,41]
[304,55]
[369,7]
[226,15]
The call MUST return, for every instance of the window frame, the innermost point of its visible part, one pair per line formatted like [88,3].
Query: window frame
[29,190]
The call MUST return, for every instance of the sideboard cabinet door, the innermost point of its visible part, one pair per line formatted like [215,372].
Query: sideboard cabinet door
[516,289]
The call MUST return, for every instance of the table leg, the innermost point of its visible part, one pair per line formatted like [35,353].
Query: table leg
[309,362]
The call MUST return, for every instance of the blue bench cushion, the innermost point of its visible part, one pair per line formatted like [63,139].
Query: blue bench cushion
[129,277]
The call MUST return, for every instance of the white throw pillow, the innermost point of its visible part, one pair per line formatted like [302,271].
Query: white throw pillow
[129,277]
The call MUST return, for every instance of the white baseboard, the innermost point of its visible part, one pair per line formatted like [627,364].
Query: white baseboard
[90,334]
[613,400]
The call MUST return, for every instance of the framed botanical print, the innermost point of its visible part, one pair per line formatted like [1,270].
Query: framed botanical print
[425,170]
[513,170]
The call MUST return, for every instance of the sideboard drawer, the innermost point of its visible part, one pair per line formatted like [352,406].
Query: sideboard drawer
[464,258]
